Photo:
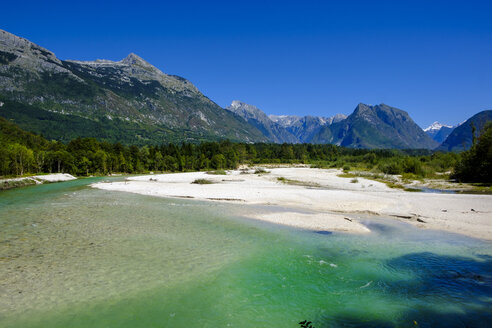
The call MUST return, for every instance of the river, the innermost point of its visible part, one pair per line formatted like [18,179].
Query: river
[73,256]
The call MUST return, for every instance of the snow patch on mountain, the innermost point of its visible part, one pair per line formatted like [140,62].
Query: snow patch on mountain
[436,126]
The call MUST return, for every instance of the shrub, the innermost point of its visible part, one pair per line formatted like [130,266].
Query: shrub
[202,181]
[413,165]
[261,170]
[390,168]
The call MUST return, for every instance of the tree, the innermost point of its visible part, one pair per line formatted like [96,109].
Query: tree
[158,161]
[62,160]
[476,163]
[21,158]
[4,160]
[40,158]
[100,161]
[169,163]
[218,162]
[84,165]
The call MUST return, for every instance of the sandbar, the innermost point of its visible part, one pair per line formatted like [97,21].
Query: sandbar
[329,202]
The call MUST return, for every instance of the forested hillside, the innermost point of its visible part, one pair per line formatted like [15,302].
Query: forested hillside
[23,152]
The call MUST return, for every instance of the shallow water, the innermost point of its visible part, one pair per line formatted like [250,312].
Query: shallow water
[72,256]
[436,191]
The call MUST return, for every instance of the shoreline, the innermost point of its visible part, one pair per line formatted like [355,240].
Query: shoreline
[331,201]
[11,183]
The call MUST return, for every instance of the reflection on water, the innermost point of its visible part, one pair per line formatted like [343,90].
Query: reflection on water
[437,191]
[72,256]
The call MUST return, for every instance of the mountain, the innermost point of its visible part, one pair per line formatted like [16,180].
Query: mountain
[461,138]
[439,132]
[305,127]
[129,100]
[379,126]
[282,128]
[132,102]
[256,117]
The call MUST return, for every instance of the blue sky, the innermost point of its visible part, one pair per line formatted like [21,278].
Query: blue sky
[430,58]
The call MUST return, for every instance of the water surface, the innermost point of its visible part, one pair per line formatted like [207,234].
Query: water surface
[72,256]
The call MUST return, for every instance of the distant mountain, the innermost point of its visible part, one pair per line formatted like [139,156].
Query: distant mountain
[379,126]
[461,138]
[129,100]
[282,128]
[439,132]
[254,116]
[305,127]
[132,102]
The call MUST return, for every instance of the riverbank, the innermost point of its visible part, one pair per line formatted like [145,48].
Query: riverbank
[35,179]
[327,201]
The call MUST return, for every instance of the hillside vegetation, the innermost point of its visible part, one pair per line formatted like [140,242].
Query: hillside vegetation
[23,152]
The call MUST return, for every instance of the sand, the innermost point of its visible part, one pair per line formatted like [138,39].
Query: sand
[326,201]
[36,179]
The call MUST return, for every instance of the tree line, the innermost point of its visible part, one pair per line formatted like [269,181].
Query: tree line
[23,153]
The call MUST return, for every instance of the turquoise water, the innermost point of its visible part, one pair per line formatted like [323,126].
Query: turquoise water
[72,256]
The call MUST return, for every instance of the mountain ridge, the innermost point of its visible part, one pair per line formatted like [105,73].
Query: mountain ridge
[130,90]
[439,132]
[379,126]
[253,115]
[461,137]
[132,101]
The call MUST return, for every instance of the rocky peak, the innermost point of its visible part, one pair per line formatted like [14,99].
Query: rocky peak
[23,47]
[436,126]
[372,114]
[255,116]
[245,110]
[22,52]
[364,111]
[134,60]
[134,66]
[362,107]
[336,118]
[285,120]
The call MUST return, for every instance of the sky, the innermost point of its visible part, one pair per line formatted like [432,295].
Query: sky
[432,59]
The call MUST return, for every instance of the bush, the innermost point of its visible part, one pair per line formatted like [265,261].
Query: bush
[390,168]
[413,165]
[202,181]
[261,170]
[346,168]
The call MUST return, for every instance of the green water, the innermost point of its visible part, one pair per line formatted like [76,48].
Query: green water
[72,256]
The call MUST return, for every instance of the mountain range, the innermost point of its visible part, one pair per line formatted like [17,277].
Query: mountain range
[128,100]
[461,137]
[306,127]
[132,102]
[439,132]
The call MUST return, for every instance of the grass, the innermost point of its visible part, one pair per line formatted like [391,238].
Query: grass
[217,172]
[478,188]
[261,170]
[4,185]
[347,175]
[202,181]
[297,182]
[377,177]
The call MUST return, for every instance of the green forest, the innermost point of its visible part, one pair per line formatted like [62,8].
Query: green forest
[23,153]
